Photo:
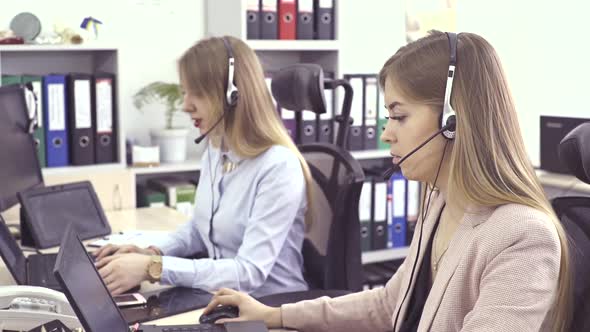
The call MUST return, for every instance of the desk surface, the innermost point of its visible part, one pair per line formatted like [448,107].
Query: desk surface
[153,219]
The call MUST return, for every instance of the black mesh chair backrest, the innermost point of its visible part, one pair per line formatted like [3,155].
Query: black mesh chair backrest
[574,214]
[331,250]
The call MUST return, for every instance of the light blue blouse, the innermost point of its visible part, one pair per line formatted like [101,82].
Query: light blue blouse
[258,227]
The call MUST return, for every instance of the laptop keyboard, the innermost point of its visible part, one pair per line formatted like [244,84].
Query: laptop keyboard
[195,328]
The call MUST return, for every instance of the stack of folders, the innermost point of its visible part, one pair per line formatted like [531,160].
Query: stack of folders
[367,112]
[76,116]
[290,19]
[174,192]
[388,211]
[314,127]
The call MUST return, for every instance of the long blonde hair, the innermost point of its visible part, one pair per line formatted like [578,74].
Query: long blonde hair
[254,125]
[489,164]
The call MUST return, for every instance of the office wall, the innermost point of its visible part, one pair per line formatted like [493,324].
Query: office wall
[543,46]
[152,34]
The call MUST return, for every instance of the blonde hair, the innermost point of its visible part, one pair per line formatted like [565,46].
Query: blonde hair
[254,125]
[489,164]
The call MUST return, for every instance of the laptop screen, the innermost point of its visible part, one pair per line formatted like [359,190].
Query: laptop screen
[12,255]
[50,209]
[84,287]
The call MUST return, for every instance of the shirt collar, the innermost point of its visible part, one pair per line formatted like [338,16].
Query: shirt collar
[229,154]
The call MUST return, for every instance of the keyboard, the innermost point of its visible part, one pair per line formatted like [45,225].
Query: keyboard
[195,328]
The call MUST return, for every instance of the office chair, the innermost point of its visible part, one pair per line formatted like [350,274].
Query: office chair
[574,214]
[331,249]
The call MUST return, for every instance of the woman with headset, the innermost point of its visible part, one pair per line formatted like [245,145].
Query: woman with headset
[488,252]
[251,202]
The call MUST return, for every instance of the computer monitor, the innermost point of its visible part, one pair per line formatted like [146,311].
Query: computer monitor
[19,165]
[84,287]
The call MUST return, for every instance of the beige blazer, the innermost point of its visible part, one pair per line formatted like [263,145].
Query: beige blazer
[499,273]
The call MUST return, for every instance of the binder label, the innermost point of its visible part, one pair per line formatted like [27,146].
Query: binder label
[399,193]
[57,119]
[329,96]
[365,202]
[269,5]
[371,101]
[413,200]
[252,5]
[305,6]
[82,103]
[356,111]
[287,114]
[381,201]
[37,89]
[104,106]
[325,3]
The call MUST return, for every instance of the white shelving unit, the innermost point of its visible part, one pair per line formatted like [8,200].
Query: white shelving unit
[370,154]
[186,166]
[49,171]
[55,48]
[294,45]
[384,255]
[42,60]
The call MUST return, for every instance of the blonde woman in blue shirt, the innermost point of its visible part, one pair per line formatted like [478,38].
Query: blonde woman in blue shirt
[253,188]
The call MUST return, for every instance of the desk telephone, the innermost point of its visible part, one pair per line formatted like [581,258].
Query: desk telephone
[26,307]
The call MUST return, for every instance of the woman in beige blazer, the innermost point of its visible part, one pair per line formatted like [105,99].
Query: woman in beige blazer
[488,253]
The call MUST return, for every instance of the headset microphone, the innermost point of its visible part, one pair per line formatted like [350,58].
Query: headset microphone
[202,137]
[450,126]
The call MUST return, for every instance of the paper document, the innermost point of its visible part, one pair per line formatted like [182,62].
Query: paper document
[142,239]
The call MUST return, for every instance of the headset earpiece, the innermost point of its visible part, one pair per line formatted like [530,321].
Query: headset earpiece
[231,91]
[448,117]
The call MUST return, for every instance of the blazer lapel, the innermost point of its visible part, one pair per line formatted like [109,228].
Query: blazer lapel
[433,213]
[461,240]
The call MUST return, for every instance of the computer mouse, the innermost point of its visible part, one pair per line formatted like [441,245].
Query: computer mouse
[222,311]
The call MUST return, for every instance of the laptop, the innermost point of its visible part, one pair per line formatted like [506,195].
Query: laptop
[47,211]
[93,304]
[34,270]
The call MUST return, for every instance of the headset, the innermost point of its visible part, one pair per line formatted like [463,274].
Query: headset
[230,102]
[447,128]
[448,116]
[231,90]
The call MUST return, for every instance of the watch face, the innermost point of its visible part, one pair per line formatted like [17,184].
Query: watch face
[155,268]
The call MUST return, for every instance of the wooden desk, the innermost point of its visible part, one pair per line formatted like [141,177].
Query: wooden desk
[153,219]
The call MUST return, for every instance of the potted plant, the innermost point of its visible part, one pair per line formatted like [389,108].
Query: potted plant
[171,140]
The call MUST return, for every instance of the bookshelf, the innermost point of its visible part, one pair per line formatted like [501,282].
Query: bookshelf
[186,166]
[294,45]
[370,154]
[50,171]
[384,255]
[195,164]
[41,60]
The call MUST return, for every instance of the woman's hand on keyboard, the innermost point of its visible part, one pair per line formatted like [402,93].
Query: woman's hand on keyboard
[123,272]
[112,249]
[250,309]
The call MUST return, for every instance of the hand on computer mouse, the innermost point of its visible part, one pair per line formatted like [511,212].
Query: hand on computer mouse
[219,313]
[249,308]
